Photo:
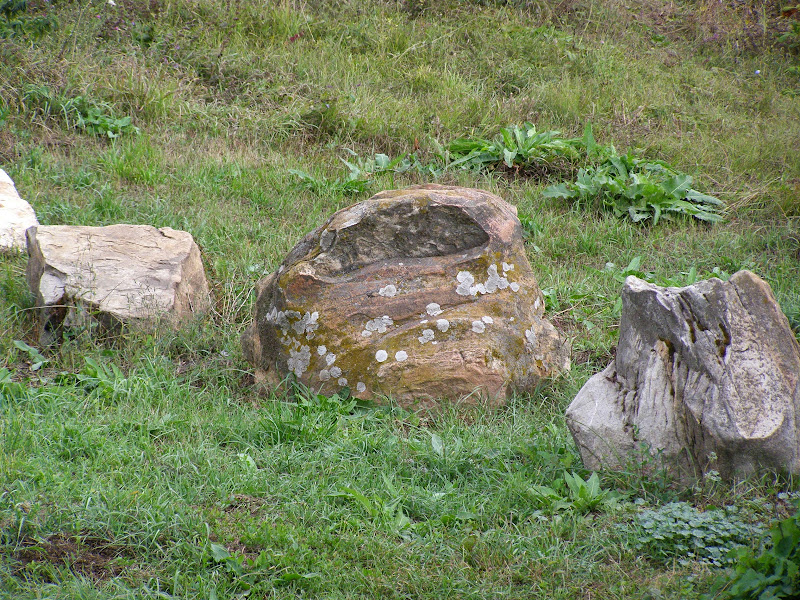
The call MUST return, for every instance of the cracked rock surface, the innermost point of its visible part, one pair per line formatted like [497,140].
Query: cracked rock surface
[418,294]
[708,375]
[113,274]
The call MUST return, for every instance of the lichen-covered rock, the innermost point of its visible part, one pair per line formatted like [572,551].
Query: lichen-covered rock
[418,294]
[707,375]
[16,216]
[114,274]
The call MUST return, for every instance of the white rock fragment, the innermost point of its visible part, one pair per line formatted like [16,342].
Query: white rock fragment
[401,355]
[381,355]
[442,325]
[427,336]
[433,309]
[478,326]
[16,216]
[388,291]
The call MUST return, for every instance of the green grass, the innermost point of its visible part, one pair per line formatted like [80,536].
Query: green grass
[151,466]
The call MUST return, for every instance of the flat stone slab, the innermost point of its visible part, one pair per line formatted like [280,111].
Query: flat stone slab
[114,274]
[707,376]
[418,294]
[16,216]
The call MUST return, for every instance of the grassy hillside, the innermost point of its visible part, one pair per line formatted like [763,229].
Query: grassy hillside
[150,466]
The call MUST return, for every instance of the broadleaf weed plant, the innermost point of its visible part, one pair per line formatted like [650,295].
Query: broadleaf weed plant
[773,573]
[679,531]
[78,112]
[634,188]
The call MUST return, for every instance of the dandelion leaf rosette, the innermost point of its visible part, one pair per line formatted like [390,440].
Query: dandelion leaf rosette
[419,294]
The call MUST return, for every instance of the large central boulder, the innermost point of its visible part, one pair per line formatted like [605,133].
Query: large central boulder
[418,294]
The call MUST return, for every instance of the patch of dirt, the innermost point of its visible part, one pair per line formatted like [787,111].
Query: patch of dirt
[91,557]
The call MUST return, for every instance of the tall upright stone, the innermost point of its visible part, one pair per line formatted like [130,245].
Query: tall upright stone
[708,376]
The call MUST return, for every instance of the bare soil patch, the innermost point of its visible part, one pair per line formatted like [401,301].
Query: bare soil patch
[91,557]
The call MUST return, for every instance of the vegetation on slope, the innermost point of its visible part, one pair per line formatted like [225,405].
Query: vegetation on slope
[150,466]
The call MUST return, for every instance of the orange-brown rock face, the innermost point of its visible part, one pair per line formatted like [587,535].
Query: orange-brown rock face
[418,294]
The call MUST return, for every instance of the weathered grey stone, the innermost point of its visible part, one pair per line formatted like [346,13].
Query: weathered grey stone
[418,294]
[16,216]
[708,374]
[119,273]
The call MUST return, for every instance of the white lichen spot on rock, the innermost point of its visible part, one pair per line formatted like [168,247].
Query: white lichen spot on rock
[507,267]
[427,336]
[388,291]
[321,350]
[381,355]
[342,381]
[536,304]
[465,281]
[493,282]
[305,323]
[433,309]
[378,324]
[324,375]
[514,286]
[487,319]
[298,360]
[336,372]
[361,387]
[530,336]
[478,326]
[366,333]
[401,355]
[442,325]
[330,359]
